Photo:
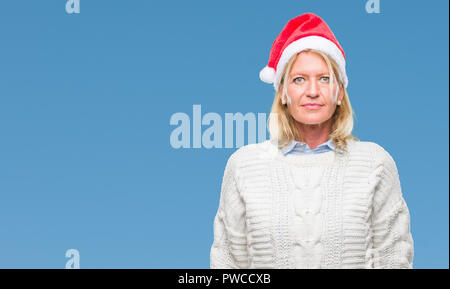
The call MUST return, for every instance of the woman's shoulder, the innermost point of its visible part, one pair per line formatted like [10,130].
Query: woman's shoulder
[379,154]
[246,157]
[253,152]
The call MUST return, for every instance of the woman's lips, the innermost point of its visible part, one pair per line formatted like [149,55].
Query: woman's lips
[312,106]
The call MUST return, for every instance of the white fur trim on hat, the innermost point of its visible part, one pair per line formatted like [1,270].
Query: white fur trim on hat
[311,42]
[267,74]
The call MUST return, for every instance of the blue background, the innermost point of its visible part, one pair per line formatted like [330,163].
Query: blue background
[86,99]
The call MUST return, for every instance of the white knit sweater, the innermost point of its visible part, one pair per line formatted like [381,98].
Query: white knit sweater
[326,210]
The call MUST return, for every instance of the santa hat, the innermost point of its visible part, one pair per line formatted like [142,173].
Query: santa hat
[307,31]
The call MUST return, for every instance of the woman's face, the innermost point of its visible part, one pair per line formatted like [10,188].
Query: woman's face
[309,83]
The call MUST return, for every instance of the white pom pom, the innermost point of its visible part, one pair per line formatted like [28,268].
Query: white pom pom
[267,74]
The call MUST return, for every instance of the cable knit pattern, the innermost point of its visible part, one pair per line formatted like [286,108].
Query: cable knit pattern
[307,224]
[324,210]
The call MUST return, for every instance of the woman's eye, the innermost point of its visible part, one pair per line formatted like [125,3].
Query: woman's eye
[299,79]
[325,78]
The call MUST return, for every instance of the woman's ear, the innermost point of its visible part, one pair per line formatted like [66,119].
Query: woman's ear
[341,92]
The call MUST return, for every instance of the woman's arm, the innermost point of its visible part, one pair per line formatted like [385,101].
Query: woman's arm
[229,250]
[393,245]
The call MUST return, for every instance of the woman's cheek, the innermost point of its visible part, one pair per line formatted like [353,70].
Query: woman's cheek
[295,94]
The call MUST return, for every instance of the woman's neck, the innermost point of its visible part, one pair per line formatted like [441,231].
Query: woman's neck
[314,134]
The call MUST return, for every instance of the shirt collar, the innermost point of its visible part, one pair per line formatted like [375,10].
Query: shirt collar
[301,146]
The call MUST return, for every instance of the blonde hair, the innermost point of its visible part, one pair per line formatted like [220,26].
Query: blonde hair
[282,125]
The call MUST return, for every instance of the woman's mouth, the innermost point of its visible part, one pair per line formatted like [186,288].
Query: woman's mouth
[312,106]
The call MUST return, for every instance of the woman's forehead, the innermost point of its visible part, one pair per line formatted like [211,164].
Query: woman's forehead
[309,63]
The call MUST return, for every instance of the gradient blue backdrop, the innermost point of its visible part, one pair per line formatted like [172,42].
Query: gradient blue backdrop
[85,103]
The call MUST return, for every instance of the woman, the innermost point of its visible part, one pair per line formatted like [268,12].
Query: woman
[313,196]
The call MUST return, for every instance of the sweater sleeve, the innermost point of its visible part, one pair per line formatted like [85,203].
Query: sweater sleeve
[229,249]
[393,246]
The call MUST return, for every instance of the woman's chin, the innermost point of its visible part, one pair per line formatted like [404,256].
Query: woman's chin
[310,120]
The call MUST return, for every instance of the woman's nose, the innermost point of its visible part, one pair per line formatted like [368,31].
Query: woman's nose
[312,89]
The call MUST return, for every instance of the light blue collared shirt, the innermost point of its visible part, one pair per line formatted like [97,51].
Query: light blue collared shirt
[296,147]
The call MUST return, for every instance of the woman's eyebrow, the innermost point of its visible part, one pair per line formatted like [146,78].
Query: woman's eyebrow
[303,73]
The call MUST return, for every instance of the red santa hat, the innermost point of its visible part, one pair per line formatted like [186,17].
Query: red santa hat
[306,31]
